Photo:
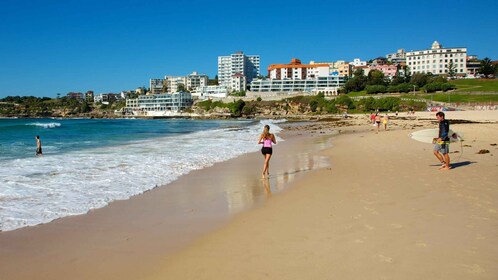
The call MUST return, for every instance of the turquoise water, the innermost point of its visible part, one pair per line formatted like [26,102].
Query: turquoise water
[17,136]
[88,163]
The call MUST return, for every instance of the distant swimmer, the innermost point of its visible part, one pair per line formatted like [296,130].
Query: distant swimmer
[38,146]
[267,139]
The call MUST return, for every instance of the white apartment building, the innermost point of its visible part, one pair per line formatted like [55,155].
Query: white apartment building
[328,84]
[196,80]
[156,86]
[172,83]
[238,82]
[175,102]
[297,71]
[206,92]
[437,59]
[247,65]
[358,62]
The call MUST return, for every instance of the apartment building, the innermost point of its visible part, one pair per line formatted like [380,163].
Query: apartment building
[295,70]
[437,60]
[247,65]
[157,86]
[196,80]
[175,102]
[327,84]
[208,92]
[397,57]
[173,82]
[238,82]
[358,62]
[389,71]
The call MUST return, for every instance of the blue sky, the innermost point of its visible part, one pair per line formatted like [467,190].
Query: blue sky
[49,47]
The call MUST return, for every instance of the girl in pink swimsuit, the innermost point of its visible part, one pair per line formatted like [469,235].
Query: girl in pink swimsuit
[267,139]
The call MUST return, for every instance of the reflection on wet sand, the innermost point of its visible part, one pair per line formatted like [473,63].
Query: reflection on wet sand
[243,191]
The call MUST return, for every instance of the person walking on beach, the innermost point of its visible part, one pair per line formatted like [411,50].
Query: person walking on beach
[441,144]
[377,122]
[267,139]
[385,120]
[38,146]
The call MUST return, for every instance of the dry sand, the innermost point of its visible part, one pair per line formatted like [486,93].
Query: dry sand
[372,206]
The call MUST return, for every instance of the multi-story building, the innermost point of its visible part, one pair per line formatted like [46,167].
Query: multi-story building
[297,71]
[397,57]
[238,82]
[206,92]
[247,65]
[389,71]
[76,95]
[358,62]
[174,102]
[437,60]
[173,82]
[196,80]
[89,96]
[340,67]
[327,84]
[473,65]
[157,86]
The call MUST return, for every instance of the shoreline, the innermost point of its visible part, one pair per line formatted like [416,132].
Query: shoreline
[153,224]
[330,203]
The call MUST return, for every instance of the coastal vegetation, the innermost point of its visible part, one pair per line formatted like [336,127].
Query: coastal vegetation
[30,106]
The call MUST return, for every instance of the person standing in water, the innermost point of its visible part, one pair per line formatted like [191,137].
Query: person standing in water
[38,146]
[267,139]
[442,143]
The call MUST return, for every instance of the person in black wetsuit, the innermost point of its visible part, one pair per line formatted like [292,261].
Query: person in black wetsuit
[442,143]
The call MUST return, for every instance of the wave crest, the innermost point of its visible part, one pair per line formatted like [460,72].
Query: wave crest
[45,125]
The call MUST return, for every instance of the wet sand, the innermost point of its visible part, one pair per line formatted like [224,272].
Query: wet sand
[371,206]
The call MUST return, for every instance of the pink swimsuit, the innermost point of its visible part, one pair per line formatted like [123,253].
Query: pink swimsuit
[267,143]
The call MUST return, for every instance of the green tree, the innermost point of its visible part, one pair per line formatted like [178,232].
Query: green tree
[487,68]
[451,69]
[420,79]
[376,77]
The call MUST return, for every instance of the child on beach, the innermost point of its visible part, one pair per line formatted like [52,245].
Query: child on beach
[267,139]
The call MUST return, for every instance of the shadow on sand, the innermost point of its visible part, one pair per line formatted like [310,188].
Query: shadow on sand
[461,164]
[458,164]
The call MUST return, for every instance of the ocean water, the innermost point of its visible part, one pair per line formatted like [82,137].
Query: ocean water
[88,163]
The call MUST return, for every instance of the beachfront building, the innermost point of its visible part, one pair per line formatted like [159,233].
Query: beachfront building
[209,92]
[437,60]
[389,71]
[173,83]
[297,71]
[473,66]
[247,65]
[196,80]
[358,62]
[238,83]
[157,86]
[166,102]
[328,84]
[397,57]
[340,67]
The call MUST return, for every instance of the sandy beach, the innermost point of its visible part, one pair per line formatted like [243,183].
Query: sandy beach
[358,205]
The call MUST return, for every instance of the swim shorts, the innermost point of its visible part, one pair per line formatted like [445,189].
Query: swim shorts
[266,151]
[443,147]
